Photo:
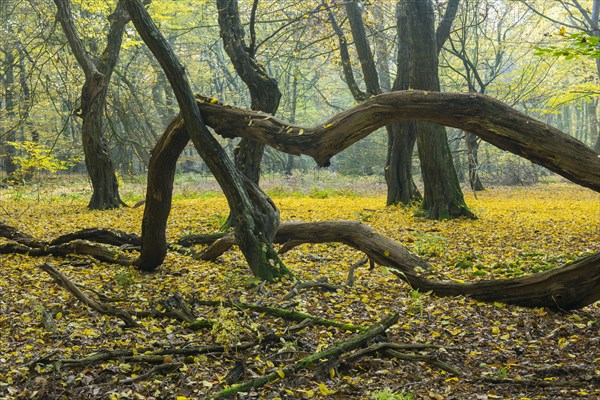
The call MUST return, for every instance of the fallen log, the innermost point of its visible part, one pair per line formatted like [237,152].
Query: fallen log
[78,247]
[100,235]
[569,287]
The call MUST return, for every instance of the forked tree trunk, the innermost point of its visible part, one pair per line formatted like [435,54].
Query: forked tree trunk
[442,197]
[98,160]
[264,92]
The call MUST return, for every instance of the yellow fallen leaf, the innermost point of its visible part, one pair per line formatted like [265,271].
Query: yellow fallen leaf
[325,391]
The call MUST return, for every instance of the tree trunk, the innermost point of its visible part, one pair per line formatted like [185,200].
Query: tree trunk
[98,160]
[365,55]
[401,187]
[9,104]
[255,217]
[443,197]
[264,92]
[100,167]
[472,150]
[593,123]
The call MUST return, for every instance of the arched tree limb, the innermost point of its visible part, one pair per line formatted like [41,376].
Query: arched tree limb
[488,118]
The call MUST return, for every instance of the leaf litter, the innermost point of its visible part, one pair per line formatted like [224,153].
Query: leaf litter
[502,351]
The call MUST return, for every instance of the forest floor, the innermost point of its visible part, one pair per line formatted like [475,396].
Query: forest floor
[502,352]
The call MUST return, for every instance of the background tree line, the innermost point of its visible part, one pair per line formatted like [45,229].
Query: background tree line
[322,56]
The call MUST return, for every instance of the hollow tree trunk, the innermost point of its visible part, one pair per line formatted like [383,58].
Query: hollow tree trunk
[255,217]
[442,197]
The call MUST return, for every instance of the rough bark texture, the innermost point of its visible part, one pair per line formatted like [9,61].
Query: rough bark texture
[401,187]
[402,136]
[568,287]
[490,119]
[442,197]
[98,160]
[255,217]
[264,92]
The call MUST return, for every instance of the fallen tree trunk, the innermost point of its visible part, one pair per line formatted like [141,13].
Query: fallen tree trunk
[569,287]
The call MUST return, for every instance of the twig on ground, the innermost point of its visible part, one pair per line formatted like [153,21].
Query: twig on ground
[333,352]
[64,281]
[399,351]
[309,285]
[280,312]
[353,268]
